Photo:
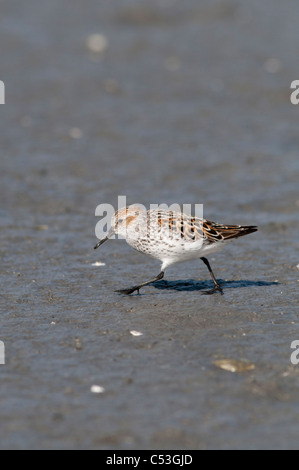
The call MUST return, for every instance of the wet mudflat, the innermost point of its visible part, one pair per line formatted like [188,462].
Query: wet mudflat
[173,103]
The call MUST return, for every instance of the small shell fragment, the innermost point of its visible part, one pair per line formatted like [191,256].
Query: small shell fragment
[233,365]
[97,389]
[136,333]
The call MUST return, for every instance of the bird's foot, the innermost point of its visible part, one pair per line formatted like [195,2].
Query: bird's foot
[128,291]
[217,288]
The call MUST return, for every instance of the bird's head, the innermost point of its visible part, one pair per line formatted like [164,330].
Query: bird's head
[121,222]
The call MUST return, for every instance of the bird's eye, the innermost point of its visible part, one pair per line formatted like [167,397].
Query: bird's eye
[120,221]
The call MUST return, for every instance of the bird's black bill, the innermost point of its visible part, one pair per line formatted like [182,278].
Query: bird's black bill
[101,242]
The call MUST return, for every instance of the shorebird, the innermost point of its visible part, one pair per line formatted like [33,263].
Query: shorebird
[172,237]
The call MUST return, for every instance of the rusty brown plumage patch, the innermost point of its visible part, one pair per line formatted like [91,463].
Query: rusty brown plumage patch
[130,219]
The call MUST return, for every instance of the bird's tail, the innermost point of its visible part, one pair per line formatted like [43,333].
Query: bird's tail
[233,231]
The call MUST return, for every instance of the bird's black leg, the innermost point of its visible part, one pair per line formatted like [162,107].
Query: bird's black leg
[132,289]
[217,286]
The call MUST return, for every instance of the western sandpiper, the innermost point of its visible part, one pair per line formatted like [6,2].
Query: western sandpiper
[172,237]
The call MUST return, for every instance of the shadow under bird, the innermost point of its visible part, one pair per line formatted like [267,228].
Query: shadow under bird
[172,237]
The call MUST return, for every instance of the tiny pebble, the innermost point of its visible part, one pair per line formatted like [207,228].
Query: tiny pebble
[272,65]
[111,86]
[97,43]
[76,133]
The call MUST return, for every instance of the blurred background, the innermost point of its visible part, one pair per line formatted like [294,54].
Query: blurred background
[165,102]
